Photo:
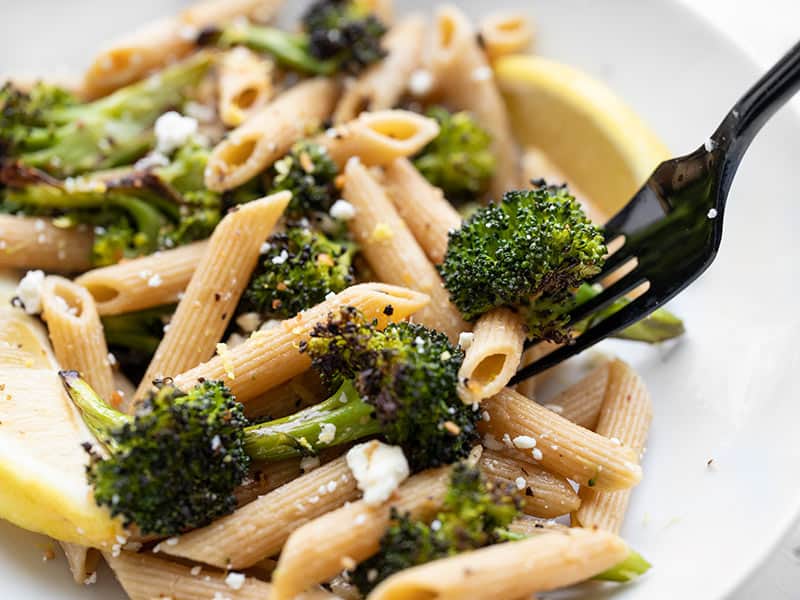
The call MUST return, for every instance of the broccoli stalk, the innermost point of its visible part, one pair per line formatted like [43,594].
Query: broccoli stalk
[49,129]
[633,566]
[338,35]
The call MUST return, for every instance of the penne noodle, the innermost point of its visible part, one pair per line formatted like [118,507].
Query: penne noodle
[245,85]
[82,561]
[161,42]
[378,138]
[215,288]
[493,356]
[422,206]
[581,402]
[625,416]
[382,85]
[269,358]
[143,282]
[77,333]
[324,547]
[545,495]
[529,527]
[511,570]
[393,253]
[503,33]
[269,134]
[259,529]
[33,243]
[535,434]
[466,82]
[287,398]
[528,387]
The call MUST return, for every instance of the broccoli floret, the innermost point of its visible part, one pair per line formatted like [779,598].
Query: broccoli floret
[474,514]
[338,35]
[48,129]
[299,269]
[309,173]
[533,242]
[459,160]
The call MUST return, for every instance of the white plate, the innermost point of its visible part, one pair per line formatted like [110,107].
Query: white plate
[729,391]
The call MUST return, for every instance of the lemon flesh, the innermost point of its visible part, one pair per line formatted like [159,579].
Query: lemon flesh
[596,140]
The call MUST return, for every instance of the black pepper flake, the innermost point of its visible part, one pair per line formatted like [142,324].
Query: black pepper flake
[388,310]
[224,316]
[201,380]
[217,296]
[529,492]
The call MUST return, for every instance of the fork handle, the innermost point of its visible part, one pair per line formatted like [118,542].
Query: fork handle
[755,108]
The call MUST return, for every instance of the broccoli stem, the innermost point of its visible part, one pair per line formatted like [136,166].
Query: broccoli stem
[135,330]
[98,416]
[629,569]
[298,434]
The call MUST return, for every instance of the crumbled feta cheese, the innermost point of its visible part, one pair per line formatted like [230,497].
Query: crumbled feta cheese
[420,83]
[216,443]
[491,442]
[712,213]
[249,322]
[281,258]
[265,247]
[378,469]
[200,112]
[507,440]
[196,570]
[445,356]
[155,281]
[525,442]
[330,295]
[482,74]
[173,130]
[465,339]
[29,292]
[486,416]
[556,408]
[520,483]
[91,579]
[710,145]
[537,454]
[331,487]
[235,581]
[309,463]
[615,441]
[151,160]
[112,360]
[342,210]
[327,433]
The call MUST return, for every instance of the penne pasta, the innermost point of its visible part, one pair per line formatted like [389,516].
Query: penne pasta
[511,570]
[161,42]
[382,86]
[422,206]
[82,561]
[393,253]
[143,282]
[215,288]
[581,402]
[503,33]
[76,332]
[378,138]
[535,434]
[625,417]
[465,81]
[287,398]
[33,243]
[535,352]
[493,356]
[324,547]
[259,529]
[269,133]
[269,358]
[245,85]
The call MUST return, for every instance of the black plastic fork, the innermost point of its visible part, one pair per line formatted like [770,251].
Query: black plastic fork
[672,227]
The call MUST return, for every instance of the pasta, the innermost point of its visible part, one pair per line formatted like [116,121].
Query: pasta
[625,416]
[245,85]
[270,358]
[143,282]
[392,251]
[268,134]
[297,393]
[581,402]
[505,33]
[216,286]
[32,243]
[82,561]
[534,353]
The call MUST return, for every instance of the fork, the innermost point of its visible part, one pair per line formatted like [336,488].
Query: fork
[671,230]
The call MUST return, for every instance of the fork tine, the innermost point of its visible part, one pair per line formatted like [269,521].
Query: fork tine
[608,295]
[616,322]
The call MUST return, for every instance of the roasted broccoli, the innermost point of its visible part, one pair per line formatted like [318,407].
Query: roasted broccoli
[337,35]
[298,270]
[49,129]
[533,243]
[474,514]
[309,173]
[459,160]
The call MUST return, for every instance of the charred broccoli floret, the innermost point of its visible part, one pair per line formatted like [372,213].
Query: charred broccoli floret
[49,129]
[533,242]
[298,270]
[459,160]
[309,173]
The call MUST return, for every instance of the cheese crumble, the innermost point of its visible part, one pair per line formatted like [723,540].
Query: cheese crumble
[378,469]
[29,292]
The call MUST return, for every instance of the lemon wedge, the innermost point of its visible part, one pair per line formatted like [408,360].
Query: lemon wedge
[593,137]
[43,484]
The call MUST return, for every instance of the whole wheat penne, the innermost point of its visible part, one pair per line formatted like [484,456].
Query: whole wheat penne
[504,33]
[77,333]
[143,282]
[534,353]
[82,561]
[215,288]
[493,356]
[466,82]
[377,138]
[158,43]
[536,434]
[258,530]
[581,402]
[392,252]
[545,495]
[145,577]
[33,243]
[245,85]
[297,393]
[422,206]
[529,527]
[269,358]
[511,570]
[322,548]
[382,85]
[269,133]
[625,417]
